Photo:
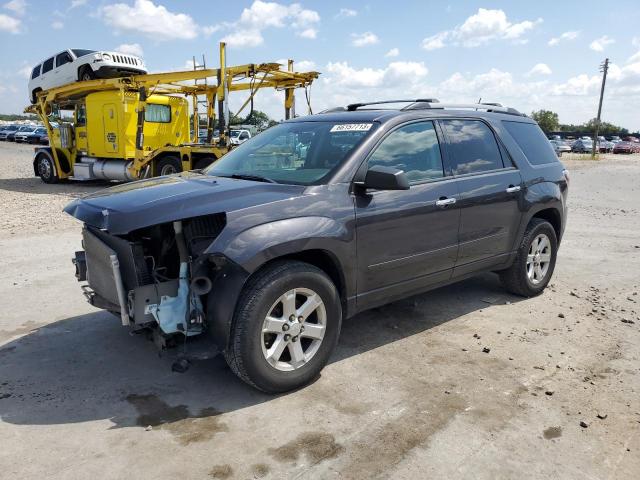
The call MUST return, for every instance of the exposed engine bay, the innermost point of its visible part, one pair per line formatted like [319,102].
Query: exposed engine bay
[154,278]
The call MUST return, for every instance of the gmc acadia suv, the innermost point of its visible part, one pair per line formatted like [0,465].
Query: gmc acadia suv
[266,251]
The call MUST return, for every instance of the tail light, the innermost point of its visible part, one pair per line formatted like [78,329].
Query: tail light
[565,173]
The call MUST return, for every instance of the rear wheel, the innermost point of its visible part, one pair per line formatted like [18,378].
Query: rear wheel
[536,258]
[168,166]
[86,74]
[285,328]
[46,169]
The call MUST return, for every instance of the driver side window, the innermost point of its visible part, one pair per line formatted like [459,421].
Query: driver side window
[414,149]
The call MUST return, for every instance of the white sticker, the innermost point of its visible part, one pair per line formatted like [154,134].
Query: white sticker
[351,127]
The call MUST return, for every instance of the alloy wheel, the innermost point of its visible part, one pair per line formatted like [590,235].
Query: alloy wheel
[538,259]
[293,329]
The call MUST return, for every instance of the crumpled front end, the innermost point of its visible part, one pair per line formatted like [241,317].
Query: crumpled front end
[157,277]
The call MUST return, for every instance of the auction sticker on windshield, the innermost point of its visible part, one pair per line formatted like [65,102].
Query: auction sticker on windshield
[351,127]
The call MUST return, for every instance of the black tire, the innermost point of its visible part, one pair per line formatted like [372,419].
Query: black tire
[244,353]
[515,279]
[203,162]
[86,74]
[33,95]
[168,166]
[45,168]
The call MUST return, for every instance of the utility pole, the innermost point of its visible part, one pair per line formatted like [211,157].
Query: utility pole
[604,67]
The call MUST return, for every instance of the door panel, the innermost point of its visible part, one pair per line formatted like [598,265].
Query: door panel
[403,235]
[489,215]
[489,190]
[110,119]
[405,241]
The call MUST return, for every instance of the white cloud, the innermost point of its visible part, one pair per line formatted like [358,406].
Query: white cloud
[130,49]
[57,25]
[599,44]
[539,69]
[571,35]
[364,39]
[308,33]
[481,28]
[77,3]
[400,73]
[25,71]
[9,24]
[18,7]
[247,30]
[244,38]
[579,85]
[152,20]
[434,42]
[304,66]
[346,12]
[394,52]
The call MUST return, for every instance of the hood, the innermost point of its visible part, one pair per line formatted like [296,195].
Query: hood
[130,206]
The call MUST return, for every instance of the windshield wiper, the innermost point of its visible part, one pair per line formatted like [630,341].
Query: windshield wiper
[249,176]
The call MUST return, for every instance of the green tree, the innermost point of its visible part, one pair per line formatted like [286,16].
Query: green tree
[547,120]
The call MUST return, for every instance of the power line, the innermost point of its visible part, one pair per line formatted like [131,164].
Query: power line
[604,67]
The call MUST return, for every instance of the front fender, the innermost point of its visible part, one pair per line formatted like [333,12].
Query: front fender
[241,254]
[257,245]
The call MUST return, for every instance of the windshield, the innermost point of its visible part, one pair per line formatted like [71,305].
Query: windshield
[78,52]
[234,133]
[299,153]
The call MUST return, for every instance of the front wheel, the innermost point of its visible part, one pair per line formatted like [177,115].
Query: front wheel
[286,326]
[535,261]
[46,169]
[86,74]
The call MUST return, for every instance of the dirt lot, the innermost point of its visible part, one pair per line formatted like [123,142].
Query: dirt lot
[409,393]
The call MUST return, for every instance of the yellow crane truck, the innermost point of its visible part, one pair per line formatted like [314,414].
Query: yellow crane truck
[139,126]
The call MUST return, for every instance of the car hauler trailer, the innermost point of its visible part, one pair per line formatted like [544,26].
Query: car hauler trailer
[138,126]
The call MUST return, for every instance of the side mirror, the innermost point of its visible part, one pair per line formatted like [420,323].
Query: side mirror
[385,178]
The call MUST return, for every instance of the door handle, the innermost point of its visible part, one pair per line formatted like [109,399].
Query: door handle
[443,202]
[513,189]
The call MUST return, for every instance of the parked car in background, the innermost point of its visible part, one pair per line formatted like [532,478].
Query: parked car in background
[583,145]
[615,139]
[632,139]
[36,137]
[605,146]
[560,147]
[6,130]
[238,137]
[626,147]
[22,135]
[11,137]
[77,64]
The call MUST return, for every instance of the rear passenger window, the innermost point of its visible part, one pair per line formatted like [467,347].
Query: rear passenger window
[414,149]
[47,65]
[532,142]
[35,73]
[472,146]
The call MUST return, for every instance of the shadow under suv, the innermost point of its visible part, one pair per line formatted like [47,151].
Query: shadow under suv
[266,251]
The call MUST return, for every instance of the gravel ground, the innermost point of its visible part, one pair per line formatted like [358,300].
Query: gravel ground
[410,393]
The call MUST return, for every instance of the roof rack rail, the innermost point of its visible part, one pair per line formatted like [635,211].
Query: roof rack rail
[354,106]
[489,107]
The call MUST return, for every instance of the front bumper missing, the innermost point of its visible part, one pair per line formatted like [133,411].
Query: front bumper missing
[102,271]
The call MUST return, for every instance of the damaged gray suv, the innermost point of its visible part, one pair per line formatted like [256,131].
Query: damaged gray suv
[265,252]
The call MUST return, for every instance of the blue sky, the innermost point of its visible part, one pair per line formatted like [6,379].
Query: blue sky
[528,55]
